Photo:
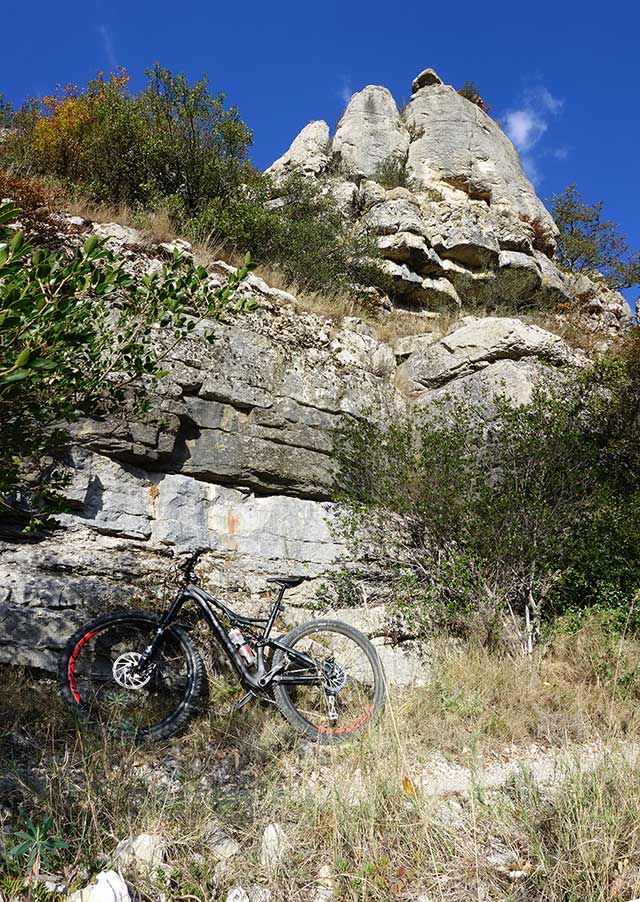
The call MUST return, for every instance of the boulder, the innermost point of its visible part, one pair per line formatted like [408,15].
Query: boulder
[476,345]
[425,79]
[108,886]
[370,132]
[458,144]
[309,151]
[412,249]
[253,894]
[144,852]
[523,276]
[117,236]
[391,216]
[273,847]
[440,293]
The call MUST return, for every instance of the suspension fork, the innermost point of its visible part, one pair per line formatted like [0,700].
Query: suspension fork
[167,618]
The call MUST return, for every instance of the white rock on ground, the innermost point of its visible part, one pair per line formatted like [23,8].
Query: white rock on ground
[326,885]
[253,894]
[273,847]
[221,845]
[107,887]
[145,851]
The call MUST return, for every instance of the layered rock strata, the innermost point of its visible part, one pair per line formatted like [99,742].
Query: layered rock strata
[464,226]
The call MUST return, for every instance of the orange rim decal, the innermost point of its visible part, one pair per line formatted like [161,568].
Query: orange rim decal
[352,726]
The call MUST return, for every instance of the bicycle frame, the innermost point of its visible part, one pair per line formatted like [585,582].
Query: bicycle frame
[258,680]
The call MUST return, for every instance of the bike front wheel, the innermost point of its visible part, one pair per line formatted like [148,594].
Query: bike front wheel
[99,680]
[348,690]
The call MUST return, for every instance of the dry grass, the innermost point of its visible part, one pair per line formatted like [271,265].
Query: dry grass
[364,810]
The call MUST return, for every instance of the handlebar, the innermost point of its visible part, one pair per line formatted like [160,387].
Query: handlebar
[190,563]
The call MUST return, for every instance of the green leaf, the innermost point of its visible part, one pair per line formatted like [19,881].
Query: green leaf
[17,242]
[15,376]
[90,245]
[41,363]
[23,357]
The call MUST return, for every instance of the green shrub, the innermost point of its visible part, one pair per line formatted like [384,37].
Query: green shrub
[535,513]
[393,173]
[471,92]
[295,226]
[63,354]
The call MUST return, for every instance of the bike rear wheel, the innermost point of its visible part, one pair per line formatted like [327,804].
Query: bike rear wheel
[349,691]
[98,678]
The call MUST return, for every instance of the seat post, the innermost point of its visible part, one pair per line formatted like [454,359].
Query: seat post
[275,610]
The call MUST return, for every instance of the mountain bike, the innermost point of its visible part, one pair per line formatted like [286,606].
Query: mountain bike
[140,675]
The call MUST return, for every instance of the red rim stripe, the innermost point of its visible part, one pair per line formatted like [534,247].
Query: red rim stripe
[71,669]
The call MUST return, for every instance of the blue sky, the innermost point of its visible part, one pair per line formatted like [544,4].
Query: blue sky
[563,77]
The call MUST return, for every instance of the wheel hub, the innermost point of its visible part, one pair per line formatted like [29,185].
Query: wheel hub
[335,677]
[125,674]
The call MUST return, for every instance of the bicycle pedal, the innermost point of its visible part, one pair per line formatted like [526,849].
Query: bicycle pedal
[243,701]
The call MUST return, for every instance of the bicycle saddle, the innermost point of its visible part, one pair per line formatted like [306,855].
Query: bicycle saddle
[287,582]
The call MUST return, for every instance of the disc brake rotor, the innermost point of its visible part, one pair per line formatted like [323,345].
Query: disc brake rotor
[124,673]
[335,677]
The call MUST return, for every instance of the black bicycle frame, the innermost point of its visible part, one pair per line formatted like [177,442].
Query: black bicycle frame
[258,679]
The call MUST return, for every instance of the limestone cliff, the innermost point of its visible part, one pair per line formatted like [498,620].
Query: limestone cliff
[236,453]
[236,456]
[465,227]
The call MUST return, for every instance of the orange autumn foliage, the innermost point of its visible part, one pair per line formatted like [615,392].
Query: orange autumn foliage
[66,118]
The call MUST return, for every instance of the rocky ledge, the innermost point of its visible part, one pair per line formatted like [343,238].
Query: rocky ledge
[235,456]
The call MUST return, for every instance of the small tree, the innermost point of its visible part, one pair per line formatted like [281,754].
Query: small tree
[592,245]
[470,91]
[197,149]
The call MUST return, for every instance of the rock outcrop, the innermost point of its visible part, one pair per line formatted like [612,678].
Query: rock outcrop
[236,453]
[370,132]
[464,226]
[235,456]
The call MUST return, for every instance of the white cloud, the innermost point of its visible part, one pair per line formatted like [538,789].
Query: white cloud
[525,128]
[346,91]
[528,122]
[542,98]
[531,168]
[107,43]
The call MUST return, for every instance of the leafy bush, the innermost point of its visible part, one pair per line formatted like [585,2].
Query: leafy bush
[591,245]
[393,173]
[295,226]
[535,512]
[171,139]
[64,354]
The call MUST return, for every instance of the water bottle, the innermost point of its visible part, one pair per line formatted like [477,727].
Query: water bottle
[244,649]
